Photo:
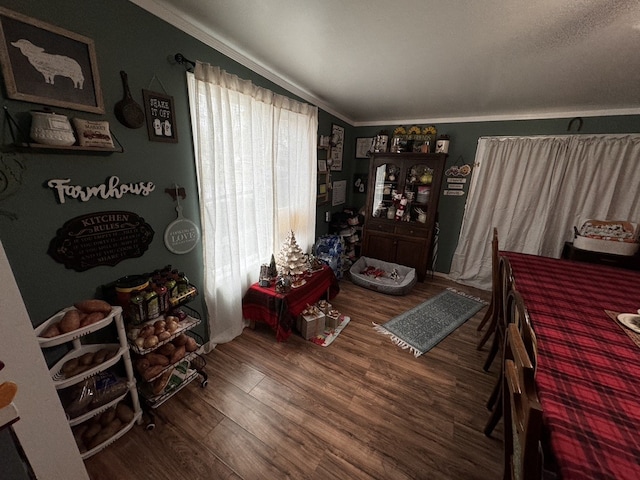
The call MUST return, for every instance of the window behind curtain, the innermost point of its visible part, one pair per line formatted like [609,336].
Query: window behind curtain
[256,164]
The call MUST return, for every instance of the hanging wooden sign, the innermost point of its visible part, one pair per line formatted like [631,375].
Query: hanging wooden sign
[182,235]
[161,119]
[100,238]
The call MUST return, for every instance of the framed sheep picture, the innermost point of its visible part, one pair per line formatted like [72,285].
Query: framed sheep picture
[44,64]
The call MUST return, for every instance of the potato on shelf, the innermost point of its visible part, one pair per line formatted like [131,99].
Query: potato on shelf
[70,321]
[51,331]
[151,372]
[82,314]
[157,359]
[101,428]
[159,384]
[178,354]
[180,339]
[152,364]
[156,333]
[167,349]
[191,345]
[93,306]
[86,361]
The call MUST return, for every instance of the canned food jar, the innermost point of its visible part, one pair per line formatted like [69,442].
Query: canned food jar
[137,308]
[128,286]
[151,303]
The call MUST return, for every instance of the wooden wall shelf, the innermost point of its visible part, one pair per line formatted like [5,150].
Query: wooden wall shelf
[70,149]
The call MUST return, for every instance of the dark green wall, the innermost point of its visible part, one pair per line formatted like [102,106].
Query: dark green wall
[126,38]
[325,122]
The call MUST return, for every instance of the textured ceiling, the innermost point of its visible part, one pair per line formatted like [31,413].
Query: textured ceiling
[373,62]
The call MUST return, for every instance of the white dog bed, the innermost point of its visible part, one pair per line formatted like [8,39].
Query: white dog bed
[383,277]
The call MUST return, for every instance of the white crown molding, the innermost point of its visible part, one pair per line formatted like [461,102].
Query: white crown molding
[502,118]
[173,17]
[163,11]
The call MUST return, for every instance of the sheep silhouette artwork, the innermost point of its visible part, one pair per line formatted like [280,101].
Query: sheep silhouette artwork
[50,65]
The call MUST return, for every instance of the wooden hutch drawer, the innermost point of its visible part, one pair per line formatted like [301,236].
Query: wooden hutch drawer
[410,230]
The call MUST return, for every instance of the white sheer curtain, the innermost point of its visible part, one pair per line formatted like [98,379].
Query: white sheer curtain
[256,164]
[534,190]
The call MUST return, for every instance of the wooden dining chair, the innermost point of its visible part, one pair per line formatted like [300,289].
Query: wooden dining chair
[523,458]
[515,314]
[505,280]
[490,316]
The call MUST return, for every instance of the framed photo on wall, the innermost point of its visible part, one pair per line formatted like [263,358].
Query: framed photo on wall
[339,191]
[337,147]
[323,188]
[364,147]
[45,64]
[161,119]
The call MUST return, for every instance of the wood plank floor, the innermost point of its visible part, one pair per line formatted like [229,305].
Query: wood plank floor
[361,408]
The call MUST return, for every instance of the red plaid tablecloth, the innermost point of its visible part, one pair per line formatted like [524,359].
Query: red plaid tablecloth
[588,372]
[264,304]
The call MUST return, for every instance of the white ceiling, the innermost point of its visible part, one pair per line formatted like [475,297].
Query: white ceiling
[373,62]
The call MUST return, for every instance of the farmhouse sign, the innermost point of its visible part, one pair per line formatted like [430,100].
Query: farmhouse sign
[112,188]
[100,238]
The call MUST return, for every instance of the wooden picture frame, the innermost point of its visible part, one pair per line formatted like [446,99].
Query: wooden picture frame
[381,144]
[45,64]
[161,118]
[339,192]
[324,186]
[364,147]
[337,147]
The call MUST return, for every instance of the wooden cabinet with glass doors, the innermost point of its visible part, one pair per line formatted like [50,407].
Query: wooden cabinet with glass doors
[402,203]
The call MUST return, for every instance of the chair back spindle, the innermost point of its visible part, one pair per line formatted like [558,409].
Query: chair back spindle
[522,412]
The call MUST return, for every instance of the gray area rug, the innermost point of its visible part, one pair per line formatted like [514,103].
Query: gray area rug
[423,327]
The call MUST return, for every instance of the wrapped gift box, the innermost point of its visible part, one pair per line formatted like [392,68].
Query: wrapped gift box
[324,306]
[332,319]
[311,322]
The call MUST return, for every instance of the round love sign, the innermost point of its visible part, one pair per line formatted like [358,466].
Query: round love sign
[181,236]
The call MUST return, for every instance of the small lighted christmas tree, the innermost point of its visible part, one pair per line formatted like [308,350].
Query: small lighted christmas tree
[273,270]
[291,260]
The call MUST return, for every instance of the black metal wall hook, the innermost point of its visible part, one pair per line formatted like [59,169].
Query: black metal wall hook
[579,120]
[184,61]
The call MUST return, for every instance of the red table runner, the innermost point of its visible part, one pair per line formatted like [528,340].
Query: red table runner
[588,371]
[264,304]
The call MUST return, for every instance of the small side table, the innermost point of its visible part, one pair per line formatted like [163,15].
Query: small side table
[631,262]
[280,310]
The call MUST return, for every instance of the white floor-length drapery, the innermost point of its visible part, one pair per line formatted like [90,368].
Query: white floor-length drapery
[534,190]
[256,165]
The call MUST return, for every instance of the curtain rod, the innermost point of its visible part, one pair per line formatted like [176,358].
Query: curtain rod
[178,57]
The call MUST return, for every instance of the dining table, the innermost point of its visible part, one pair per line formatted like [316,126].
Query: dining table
[588,363]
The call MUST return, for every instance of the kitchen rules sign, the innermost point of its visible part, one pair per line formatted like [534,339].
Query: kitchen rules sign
[161,120]
[100,238]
